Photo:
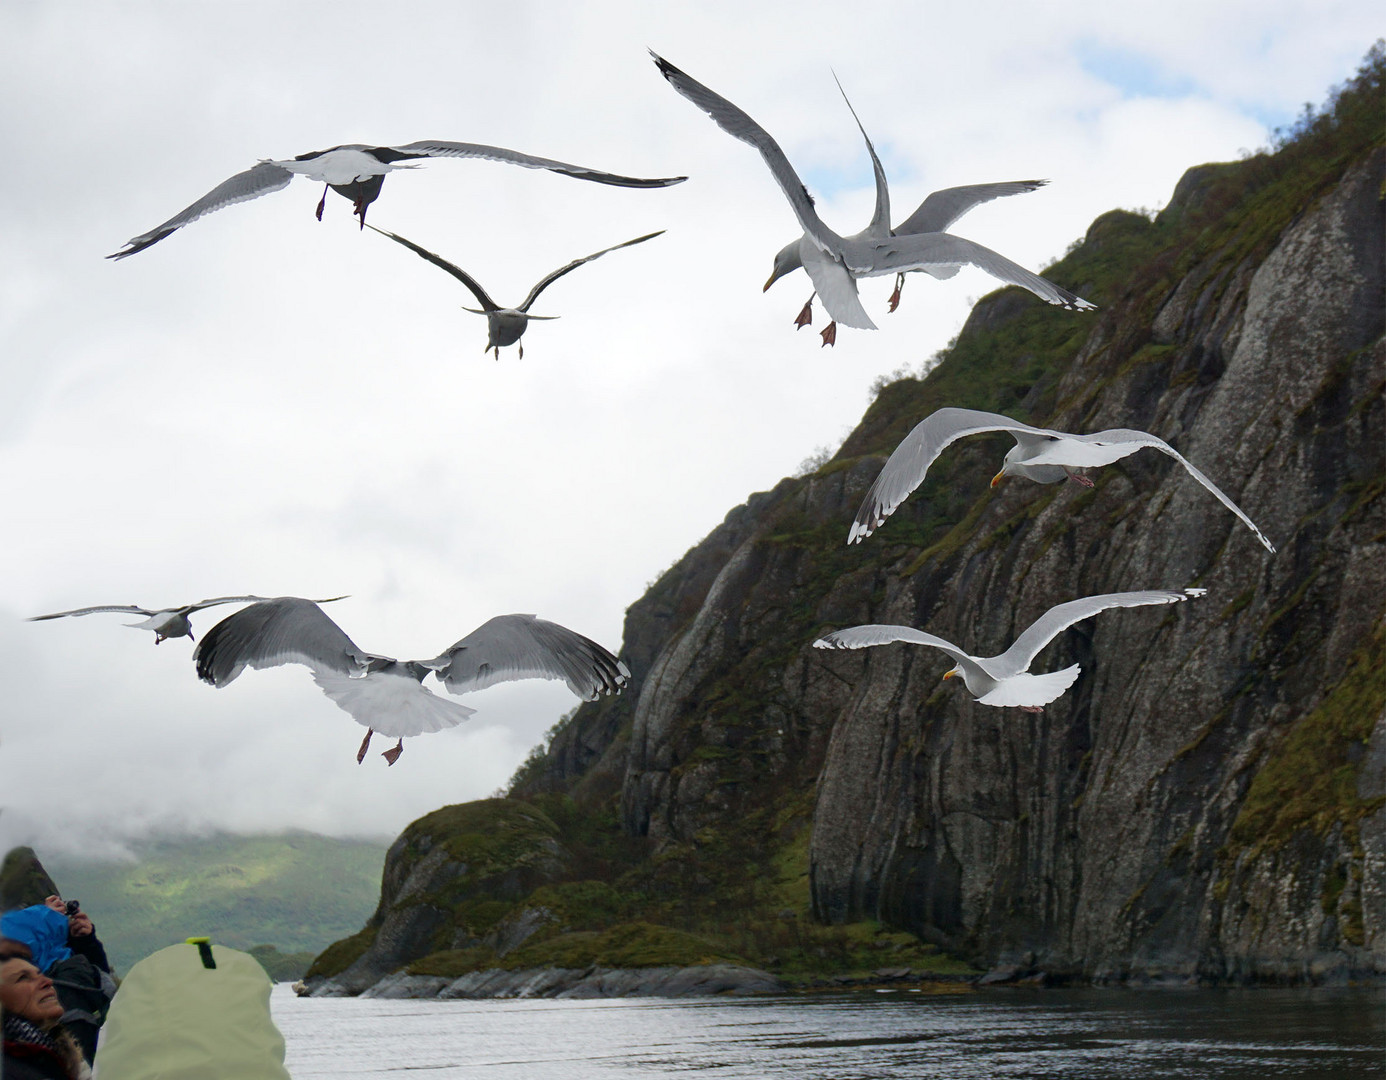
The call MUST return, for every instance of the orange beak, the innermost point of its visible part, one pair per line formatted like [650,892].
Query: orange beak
[997,478]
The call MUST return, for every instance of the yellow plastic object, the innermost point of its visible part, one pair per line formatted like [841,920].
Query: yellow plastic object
[176,1019]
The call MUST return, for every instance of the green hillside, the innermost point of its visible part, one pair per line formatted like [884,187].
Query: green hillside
[296,891]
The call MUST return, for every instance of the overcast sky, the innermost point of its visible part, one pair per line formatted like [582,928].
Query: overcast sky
[263,403]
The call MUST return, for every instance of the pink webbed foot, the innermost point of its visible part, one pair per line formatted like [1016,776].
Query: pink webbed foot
[392,755]
[805,316]
[829,334]
[895,296]
[322,203]
[1032,708]
[1079,479]
[365,745]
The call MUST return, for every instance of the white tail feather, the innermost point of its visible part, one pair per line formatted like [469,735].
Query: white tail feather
[396,705]
[1027,689]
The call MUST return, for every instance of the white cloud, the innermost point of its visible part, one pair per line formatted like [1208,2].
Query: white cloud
[267,403]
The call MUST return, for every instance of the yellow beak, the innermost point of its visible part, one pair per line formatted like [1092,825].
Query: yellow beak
[772,281]
[949,674]
[997,478]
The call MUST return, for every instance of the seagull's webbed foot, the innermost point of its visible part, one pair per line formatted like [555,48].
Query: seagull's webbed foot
[361,213]
[806,315]
[1079,479]
[1032,708]
[895,296]
[365,745]
[829,334]
[392,755]
[522,350]
[322,203]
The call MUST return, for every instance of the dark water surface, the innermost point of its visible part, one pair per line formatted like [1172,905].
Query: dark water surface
[1070,1034]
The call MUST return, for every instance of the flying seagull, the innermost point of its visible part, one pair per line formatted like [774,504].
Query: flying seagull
[835,262]
[506,325]
[165,622]
[1039,454]
[357,172]
[938,211]
[1005,680]
[388,695]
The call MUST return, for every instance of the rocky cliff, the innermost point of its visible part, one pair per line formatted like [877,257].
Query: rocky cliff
[1206,802]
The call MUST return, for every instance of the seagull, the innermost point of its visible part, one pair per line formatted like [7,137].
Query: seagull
[835,262]
[1005,680]
[357,172]
[938,211]
[506,325]
[1039,454]
[387,695]
[165,622]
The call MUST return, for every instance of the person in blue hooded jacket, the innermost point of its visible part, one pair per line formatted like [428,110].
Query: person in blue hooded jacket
[84,989]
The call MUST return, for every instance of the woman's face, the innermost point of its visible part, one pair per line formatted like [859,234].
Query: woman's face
[28,993]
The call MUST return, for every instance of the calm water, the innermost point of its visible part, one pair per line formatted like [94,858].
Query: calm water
[1070,1034]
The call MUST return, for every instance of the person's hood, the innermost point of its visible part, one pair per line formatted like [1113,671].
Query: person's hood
[42,929]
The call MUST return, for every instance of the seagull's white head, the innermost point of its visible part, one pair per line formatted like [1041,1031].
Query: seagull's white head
[786,261]
[1012,457]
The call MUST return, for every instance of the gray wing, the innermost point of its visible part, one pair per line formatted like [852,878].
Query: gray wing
[740,126]
[942,208]
[190,608]
[440,148]
[286,630]
[924,250]
[251,184]
[861,637]
[1058,619]
[880,219]
[129,609]
[549,279]
[512,647]
[1143,438]
[906,468]
[482,297]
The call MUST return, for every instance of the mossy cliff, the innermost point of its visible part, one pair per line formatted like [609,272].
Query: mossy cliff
[1207,800]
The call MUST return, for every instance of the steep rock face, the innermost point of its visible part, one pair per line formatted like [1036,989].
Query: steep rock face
[444,879]
[23,880]
[1095,838]
[1114,836]
[1206,801]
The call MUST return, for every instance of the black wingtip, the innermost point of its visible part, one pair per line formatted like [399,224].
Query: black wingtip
[665,68]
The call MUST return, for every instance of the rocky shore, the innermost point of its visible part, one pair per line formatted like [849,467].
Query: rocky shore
[701,980]
[548,982]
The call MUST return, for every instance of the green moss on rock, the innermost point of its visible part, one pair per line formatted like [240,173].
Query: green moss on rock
[1309,782]
[340,955]
[629,945]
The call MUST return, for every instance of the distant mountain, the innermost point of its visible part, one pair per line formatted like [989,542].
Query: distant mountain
[297,891]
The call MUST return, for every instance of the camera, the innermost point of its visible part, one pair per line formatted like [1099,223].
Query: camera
[71,908]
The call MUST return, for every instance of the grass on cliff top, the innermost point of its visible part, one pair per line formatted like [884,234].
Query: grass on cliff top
[488,834]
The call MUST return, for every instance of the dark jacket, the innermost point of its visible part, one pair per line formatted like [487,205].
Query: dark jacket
[85,992]
[28,1059]
[90,946]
